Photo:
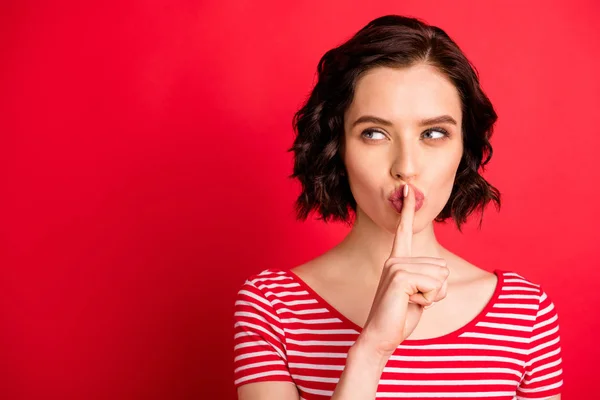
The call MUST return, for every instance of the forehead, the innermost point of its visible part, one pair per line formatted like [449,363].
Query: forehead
[406,94]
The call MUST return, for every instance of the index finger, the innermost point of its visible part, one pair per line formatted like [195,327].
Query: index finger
[403,240]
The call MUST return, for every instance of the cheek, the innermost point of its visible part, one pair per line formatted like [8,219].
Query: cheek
[443,181]
[361,180]
[362,168]
[364,176]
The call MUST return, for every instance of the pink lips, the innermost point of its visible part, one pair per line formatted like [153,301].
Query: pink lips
[397,198]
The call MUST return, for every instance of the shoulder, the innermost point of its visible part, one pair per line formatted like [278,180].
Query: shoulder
[266,286]
[519,288]
[266,276]
[543,368]
[256,305]
[260,347]
[515,281]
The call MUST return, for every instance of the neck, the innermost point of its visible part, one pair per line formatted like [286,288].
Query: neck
[368,246]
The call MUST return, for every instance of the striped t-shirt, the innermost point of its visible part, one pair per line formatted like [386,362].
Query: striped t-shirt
[285,331]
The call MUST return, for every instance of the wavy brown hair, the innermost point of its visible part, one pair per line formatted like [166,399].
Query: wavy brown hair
[398,42]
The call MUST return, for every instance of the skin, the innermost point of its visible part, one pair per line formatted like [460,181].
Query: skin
[380,157]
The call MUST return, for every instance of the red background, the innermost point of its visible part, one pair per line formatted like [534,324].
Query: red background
[143,177]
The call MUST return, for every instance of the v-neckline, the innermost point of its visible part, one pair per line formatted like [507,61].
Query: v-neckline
[454,334]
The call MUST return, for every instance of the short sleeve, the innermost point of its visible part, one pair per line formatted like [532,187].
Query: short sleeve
[543,371]
[259,339]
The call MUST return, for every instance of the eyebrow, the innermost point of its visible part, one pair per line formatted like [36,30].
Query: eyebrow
[427,121]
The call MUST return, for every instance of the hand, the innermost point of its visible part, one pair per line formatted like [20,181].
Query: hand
[407,284]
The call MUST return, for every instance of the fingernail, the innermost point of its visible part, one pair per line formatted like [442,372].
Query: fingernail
[405,190]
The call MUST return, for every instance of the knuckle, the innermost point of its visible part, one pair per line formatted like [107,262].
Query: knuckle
[445,272]
[399,275]
[443,294]
[393,261]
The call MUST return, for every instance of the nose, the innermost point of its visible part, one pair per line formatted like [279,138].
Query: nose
[404,163]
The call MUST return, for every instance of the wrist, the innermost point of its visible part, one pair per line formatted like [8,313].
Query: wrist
[368,353]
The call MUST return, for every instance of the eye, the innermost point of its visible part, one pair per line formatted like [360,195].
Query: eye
[442,133]
[434,134]
[371,134]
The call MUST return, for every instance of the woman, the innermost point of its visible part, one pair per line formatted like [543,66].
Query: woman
[390,140]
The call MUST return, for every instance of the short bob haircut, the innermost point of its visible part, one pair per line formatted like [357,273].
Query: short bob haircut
[398,42]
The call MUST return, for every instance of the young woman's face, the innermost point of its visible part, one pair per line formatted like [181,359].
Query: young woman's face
[387,143]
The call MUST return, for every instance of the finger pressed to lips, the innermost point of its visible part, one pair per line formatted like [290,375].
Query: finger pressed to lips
[428,274]
[402,246]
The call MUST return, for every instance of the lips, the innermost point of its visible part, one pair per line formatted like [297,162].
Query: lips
[397,198]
